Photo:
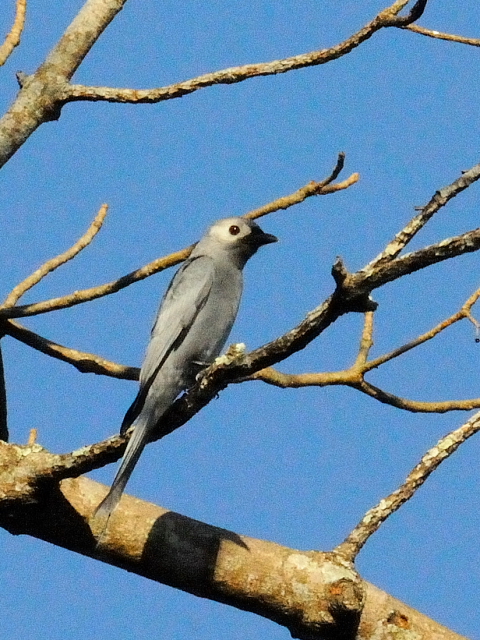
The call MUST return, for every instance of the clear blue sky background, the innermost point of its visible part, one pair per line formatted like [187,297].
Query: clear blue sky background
[299,467]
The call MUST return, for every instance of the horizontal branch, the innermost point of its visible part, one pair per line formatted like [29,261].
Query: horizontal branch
[386,18]
[416,406]
[354,378]
[43,94]
[243,572]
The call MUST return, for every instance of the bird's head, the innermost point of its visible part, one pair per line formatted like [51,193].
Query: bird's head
[239,237]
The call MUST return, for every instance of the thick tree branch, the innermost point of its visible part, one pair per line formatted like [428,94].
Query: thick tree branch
[13,38]
[429,462]
[247,573]
[42,95]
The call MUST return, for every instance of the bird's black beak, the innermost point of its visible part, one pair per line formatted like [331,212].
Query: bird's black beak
[258,237]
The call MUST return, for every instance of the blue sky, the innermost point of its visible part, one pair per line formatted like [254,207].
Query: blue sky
[299,467]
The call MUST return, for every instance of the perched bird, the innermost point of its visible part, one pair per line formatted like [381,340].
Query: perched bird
[192,325]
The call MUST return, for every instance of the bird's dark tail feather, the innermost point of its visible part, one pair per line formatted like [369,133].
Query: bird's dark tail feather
[133,451]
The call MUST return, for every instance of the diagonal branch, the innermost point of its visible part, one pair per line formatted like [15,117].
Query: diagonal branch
[42,94]
[409,263]
[13,38]
[84,362]
[224,566]
[56,262]
[311,189]
[439,200]
[372,520]
[463,312]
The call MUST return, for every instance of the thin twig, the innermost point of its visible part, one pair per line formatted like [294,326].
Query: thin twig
[474,42]
[372,520]
[13,38]
[311,189]
[366,341]
[85,295]
[84,362]
[56,262]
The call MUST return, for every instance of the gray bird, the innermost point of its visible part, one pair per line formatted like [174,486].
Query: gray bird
[192,325]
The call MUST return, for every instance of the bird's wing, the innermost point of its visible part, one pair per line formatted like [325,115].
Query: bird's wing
[184,299]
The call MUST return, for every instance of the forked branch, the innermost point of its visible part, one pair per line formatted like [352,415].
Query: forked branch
[86,295]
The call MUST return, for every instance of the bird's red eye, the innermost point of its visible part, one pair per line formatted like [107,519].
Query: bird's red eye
[234,230]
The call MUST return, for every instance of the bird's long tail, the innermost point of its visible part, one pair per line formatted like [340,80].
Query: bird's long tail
[135,446]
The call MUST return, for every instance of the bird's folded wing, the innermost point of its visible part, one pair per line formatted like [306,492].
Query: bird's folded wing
[184,299]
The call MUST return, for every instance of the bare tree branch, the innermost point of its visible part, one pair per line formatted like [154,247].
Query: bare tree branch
[92,293]
[13,38]
[311,189]
[439,200]
[372,520]
[56,262]
[474,42]
[42,95]
[244,572]
[84,362]
[416,406]
[3,402]
[354,377]
[464,312]
[386,18]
